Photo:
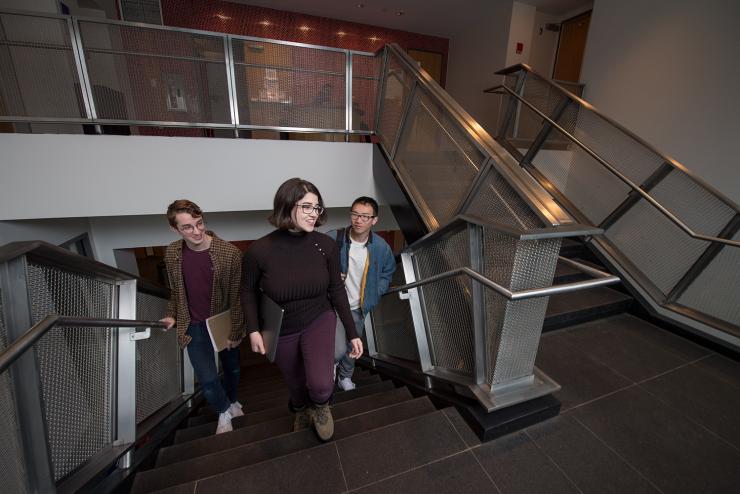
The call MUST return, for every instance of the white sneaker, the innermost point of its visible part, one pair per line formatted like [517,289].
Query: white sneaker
[235,409]
[334,376]
[346,384]
[224,423]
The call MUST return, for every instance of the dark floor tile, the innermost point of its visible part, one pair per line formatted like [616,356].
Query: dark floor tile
[188,488]
[458,474]
[516,464]
[704,398]
[624,350]
[587,461]
[298,472]
[673,343]
[466,433]
[582,378]
[722,367]
[378,454]
[672,452]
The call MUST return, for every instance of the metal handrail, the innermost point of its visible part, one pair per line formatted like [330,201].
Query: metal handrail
[602,278]
[673,218]
[22,344]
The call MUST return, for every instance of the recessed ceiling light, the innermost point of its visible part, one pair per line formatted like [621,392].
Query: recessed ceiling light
[265,23]
[360,5]
[399,12]
[304,28]
[341,33]
[223,17]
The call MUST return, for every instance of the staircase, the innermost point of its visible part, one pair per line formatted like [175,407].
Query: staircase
[380,430]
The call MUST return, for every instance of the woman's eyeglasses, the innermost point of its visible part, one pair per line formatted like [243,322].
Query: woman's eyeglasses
[308,208]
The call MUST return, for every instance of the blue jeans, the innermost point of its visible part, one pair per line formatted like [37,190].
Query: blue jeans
[346,364]
[200,351]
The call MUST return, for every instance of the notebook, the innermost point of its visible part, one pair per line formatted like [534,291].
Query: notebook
[219,329]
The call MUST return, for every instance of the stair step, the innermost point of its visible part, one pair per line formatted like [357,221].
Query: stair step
[566,309]
[571,247]
[206,429]
[276,447]
[564,273]
[280,425]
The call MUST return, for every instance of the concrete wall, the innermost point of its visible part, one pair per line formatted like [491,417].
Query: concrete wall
[668,70]
[520,31]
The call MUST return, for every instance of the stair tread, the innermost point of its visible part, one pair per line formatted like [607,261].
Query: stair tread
[273,448]
[565,309]
[208,428]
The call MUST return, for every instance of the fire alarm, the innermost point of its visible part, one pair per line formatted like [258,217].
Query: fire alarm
[519,48]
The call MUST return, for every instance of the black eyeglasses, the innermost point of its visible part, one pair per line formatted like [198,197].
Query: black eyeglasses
[309,208]
[362,217]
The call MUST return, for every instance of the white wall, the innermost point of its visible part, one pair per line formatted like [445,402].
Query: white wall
[520,31]
[668,70]
[55,231]
[475,54]
[53,176]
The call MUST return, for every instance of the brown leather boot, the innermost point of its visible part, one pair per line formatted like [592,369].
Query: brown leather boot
[301,419]
[322,421]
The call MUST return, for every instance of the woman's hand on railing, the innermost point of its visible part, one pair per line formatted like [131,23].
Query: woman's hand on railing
[356,348]
[169,321]
[256,342]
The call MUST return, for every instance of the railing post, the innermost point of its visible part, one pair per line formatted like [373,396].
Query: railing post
[231,83]
[188,375]
[417,314]
[125,382]
[475,235]
[30,410]
[381,90]
[512,110]
[348,95]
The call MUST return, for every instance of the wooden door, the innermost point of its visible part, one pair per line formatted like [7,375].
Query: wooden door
[429,61]
[571,45]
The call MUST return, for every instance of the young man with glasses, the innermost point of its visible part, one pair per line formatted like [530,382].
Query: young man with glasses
[367,265]
[205,277]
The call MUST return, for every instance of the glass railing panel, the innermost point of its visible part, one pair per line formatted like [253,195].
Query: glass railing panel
[398,84]
[13,476]
[393,326]
[365,77]
[282,85]
[513,327]
[447,304]
[436,157]
[715,290]
[156,75]
[158,361]
[75,365]
[39,77]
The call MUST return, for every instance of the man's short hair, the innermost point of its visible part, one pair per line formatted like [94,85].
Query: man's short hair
[182,206]
[367,201]
[287,196]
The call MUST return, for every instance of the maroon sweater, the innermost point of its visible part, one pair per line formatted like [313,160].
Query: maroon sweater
[299,271]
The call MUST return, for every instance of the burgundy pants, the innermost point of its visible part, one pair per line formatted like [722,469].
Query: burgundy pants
[306,360]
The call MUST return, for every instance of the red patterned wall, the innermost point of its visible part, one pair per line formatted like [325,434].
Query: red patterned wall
[247,20]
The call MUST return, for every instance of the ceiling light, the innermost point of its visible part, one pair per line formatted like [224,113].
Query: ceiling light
[360,5]
[304,28]
[400,12]
[265,23]
[341,33]
[374,39]
[223,17]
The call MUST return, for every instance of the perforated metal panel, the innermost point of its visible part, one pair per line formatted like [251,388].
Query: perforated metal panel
[393,325]
[38,75]
[437,159]
[715,291]
[75,365]
[497,201]
[365,77]
[12,468]
[158,361]
[513,328]
[447,303]
[398,84]
[141,73]
[289,86]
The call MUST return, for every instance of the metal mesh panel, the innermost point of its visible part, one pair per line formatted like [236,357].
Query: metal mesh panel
[715,290]
[38,74]
[12,469]
[654,245]
[437,159]
[281,85]
[447,304]
[149,74]
[542,95]
[393,325]
[365,76]
[497,201]
[513,328]
[76,365]
[398,85]
[158,361]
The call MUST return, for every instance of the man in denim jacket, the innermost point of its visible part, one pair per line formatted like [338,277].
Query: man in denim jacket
[367,265]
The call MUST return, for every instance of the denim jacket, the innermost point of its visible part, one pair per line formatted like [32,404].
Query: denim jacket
[381,265]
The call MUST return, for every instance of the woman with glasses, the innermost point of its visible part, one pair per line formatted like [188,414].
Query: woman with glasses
[298,268]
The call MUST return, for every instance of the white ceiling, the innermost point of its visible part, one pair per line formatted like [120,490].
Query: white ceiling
[432,17]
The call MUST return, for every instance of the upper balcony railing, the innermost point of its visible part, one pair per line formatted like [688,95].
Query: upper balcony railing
[98,72]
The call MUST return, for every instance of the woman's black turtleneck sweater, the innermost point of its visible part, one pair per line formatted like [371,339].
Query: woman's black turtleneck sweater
[299,271]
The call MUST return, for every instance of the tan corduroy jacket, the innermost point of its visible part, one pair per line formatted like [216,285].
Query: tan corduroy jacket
[227,271]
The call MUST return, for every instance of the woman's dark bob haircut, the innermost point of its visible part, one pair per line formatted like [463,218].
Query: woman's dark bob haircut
[286,197]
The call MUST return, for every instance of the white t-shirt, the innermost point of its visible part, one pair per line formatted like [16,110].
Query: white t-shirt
[355,268]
